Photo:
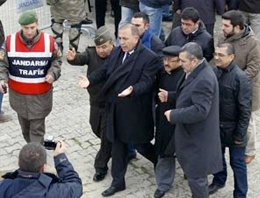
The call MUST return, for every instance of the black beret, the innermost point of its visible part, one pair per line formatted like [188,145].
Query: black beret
[173,50]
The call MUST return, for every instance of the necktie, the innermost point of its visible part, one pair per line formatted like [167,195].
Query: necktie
[126,56]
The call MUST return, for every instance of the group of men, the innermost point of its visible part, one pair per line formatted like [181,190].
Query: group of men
[202,118]
[199,110]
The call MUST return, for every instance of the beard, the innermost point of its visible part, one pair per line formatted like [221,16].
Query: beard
[227,35]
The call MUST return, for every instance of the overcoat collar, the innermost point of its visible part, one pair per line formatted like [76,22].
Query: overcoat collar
[184,82]
[119,71]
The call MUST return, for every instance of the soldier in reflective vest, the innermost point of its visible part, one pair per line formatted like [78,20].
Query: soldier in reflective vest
[30,61]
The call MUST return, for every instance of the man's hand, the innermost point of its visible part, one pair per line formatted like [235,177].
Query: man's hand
[126,92]
[163,95]
[178,11]
[71,54]
[60,148]
[167,115]
[49,78]
[3,87]
[83,82]
[238,142]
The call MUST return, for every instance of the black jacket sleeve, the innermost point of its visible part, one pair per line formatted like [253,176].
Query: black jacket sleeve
[244,99]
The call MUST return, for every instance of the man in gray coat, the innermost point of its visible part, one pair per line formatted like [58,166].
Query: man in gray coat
[197,137]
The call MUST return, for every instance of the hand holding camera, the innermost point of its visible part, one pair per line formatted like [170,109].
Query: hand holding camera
[60,148]
[57,146]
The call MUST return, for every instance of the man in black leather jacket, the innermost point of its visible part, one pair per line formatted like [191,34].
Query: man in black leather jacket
[235,95]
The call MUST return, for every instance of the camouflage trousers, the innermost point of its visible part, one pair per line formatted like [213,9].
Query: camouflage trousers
[74,33]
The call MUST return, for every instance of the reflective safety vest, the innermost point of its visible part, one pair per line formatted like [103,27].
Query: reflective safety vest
[29,66]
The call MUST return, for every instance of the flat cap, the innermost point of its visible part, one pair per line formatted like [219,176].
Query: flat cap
[173,50]
[28,17]
[102,35]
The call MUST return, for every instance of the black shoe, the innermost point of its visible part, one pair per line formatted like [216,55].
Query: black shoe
[112,190]
[158,193]
[87,21]
[99,177]
[214,188]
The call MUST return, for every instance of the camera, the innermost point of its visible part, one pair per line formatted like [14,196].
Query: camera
[49,143]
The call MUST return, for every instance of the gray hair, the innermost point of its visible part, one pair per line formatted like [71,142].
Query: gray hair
[32,157]
[134,29]
[193,50]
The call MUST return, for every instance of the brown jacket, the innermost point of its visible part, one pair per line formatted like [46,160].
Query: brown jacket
[247,56]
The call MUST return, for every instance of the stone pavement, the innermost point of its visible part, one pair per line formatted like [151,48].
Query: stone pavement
[69,121]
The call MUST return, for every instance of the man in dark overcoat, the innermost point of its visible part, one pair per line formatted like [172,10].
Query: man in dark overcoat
[166,83]
[197,137]
[130,74]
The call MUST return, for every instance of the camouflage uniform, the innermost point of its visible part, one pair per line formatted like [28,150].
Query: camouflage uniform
[74,12]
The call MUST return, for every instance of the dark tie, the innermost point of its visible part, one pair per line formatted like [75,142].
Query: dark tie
[126,56]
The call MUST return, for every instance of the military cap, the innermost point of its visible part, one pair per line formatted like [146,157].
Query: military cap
[102,35]
[173,50]
[28,17]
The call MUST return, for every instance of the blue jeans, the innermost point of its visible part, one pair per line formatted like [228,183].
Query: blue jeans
[126,16]
[155,17]
[237,163]
[1,101]
[166,10]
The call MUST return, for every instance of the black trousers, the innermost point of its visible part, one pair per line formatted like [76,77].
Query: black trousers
[98,124]
[233,4]
[119,159]
[101,7]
